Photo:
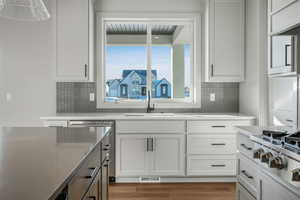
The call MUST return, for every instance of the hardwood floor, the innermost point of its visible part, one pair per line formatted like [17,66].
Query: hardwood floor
[170,191]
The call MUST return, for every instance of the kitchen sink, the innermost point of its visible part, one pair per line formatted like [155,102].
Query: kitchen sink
[149,114]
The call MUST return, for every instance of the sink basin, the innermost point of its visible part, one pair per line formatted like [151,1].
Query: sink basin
[134,114]
[149,114]
[213,116]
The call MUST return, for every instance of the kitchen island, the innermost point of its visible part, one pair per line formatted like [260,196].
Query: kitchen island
[38,163]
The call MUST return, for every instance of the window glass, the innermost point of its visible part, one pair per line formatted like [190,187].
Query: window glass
[125,62]
[171,61]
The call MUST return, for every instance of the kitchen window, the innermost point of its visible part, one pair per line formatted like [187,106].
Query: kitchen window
[156,55]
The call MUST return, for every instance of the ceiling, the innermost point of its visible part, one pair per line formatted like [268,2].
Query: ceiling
[140,29]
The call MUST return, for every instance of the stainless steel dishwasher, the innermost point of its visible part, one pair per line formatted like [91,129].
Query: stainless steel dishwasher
[112,140]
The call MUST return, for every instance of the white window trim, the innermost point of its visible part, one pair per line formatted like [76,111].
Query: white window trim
[158,18]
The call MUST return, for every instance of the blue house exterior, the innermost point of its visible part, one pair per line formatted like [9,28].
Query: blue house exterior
[133,85]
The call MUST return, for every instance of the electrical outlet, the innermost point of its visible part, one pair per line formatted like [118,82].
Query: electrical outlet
[212,97]
[92,97]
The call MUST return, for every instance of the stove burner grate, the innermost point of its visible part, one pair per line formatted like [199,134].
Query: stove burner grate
[275,137]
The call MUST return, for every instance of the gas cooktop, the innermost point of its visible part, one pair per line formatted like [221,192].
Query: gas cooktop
[289,141]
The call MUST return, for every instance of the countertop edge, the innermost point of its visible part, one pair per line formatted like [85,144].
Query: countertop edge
[57,191]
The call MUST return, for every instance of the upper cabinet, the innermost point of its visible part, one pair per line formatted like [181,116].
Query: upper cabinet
[225,30]
[74,40]
[283,15]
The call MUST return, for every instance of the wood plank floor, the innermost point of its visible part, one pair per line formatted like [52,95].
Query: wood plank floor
[170,191]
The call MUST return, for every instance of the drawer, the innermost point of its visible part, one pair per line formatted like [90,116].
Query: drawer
[85,174]
[247,174]
[243,194]
[245,145]
[211,144]
[211,166]
[151,126]
[55,123]
[217,126]
[286,18]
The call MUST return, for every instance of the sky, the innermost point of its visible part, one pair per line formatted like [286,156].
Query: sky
[119,58]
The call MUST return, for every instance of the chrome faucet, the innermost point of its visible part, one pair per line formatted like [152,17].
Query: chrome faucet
[149,108]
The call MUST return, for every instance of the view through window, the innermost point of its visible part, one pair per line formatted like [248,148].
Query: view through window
[133,50]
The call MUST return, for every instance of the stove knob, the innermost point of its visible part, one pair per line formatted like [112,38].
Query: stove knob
[296,175]
[257,153]
[277,163]
[265,157]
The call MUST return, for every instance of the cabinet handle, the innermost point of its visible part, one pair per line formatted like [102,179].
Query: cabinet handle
[91,198]
[218,165]
[246,174]
[246,147]
[85,70]
[286,51]
[218,144]
[147,141]
[218,126]
[211,70]
[94,170]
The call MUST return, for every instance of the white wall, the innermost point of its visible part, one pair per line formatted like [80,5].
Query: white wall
[27,63]
[253,90]
[150,5]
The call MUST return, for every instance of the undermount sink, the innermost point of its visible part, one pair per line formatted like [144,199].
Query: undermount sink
[149,114]
[212,116]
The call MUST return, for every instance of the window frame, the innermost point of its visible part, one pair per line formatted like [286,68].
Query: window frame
[149,18]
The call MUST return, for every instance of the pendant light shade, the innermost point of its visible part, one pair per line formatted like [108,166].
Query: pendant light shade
[26,10]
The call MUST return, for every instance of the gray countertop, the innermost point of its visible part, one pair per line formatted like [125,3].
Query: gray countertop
[36,162]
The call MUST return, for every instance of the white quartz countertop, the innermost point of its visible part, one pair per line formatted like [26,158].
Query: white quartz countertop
[148,116]
[250,130]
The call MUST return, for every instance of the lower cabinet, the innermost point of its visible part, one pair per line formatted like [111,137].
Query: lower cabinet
[212,165]
[269,189]
[150,155]
[243,194]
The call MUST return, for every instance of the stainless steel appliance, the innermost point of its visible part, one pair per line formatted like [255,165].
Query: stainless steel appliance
[112,139]
[278,153]
[283,55]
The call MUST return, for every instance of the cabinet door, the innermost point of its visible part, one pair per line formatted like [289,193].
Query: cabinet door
[271,190]
[72,40]
[131,155]
[168,155]
[226,41]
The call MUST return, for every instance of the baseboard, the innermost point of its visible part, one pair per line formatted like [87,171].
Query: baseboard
[180,179]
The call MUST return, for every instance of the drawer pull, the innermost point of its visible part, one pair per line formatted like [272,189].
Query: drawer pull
[246,147]
[218,144]
[92,174]
[218,126]
[91,198]
[246,174]
[218,165]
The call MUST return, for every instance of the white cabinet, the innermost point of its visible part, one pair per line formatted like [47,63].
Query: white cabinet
[283,15]
[150,155]
[211,165]
[168,155]
[269,189]
[211,147]
[225,41]
[131,155]
[74,40]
